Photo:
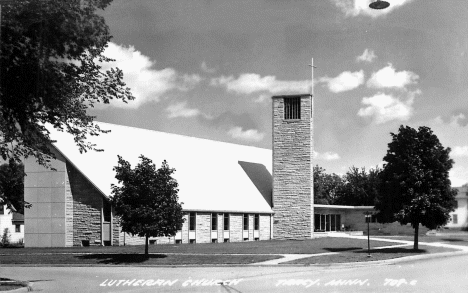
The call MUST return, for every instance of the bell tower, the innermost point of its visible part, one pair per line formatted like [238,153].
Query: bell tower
[293,198]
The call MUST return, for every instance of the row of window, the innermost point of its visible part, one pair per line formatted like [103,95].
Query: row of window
[226,221]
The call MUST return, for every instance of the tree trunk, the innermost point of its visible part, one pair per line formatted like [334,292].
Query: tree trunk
[416,233]
[146,245]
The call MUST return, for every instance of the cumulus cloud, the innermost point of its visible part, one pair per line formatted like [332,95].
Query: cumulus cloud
[454,121]
[327,156]
[249,83]
[367,56]
[388,77]
[361,7]
[383,108]
[460,151]
[147,83]
[458,175]
[345,81]
[205,68]
[181,110]
[246,135]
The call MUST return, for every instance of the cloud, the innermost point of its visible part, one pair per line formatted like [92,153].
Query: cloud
[458,176]
[181,110]
[367,56]
[460,151]
[247,135]
[387,77]
[205,68]
[356,7]
[249,83]
[327,156]
[262,98]
[147,83]
[383,108]
[455,121]
[345,81]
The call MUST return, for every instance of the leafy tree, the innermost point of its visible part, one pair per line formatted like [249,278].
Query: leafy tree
[147,200]
[50,74]
[415,186]
[326,186]
[360,187]
[12,186]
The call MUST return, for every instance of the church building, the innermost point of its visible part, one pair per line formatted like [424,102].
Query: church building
[229,192]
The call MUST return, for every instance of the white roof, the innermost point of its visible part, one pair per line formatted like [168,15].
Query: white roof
[212,175]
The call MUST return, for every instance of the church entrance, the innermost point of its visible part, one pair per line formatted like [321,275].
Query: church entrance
[327,222]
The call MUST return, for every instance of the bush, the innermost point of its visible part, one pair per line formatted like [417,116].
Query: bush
[5,240]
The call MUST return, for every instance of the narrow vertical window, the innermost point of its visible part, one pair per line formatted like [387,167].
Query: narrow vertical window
[257,222]
[246,221]
[214,221]
[106,209]
[17,228]
[2,210]
[226,222]
[455,219]
[292,108]
[193,221]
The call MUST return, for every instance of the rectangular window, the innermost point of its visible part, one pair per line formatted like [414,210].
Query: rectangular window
[292,108]
[455,204]
[226,222]
[2,209]
[455,218]
[193,221]
[214,221]
[106,210]
[17,228]
[246,221]
[257,222]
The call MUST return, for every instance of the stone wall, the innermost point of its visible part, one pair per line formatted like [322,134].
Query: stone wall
[87,205]
[265,228]
[203,228]
[292,171]
[235,229]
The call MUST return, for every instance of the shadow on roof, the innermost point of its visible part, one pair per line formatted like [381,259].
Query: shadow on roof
[260,177]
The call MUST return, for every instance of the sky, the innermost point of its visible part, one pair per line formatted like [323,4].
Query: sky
[209,69]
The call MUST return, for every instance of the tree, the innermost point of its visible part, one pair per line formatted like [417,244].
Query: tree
[360,187]
[12,186]
[147,200]
[415,186]
[326,186]
[50,74]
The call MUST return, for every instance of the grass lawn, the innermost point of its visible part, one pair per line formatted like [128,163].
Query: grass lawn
[311,246]
[360,255]
[133,259]
[350,250]
[449,239]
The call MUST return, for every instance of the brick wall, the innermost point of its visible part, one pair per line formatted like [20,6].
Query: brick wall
[220,227]
[292,172]
[68,212]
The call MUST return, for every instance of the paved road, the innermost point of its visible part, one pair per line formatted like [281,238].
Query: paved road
[449,274]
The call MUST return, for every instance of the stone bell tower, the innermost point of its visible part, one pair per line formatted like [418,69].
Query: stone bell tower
[293,192]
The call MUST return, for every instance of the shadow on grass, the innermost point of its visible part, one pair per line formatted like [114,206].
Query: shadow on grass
[454,240]
[393,250]
[120,258]
[339,249]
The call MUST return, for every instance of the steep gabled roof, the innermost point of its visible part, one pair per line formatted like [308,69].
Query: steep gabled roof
[212,175]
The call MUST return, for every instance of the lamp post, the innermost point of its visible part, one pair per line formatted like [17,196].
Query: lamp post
[379,4]
[368,219]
